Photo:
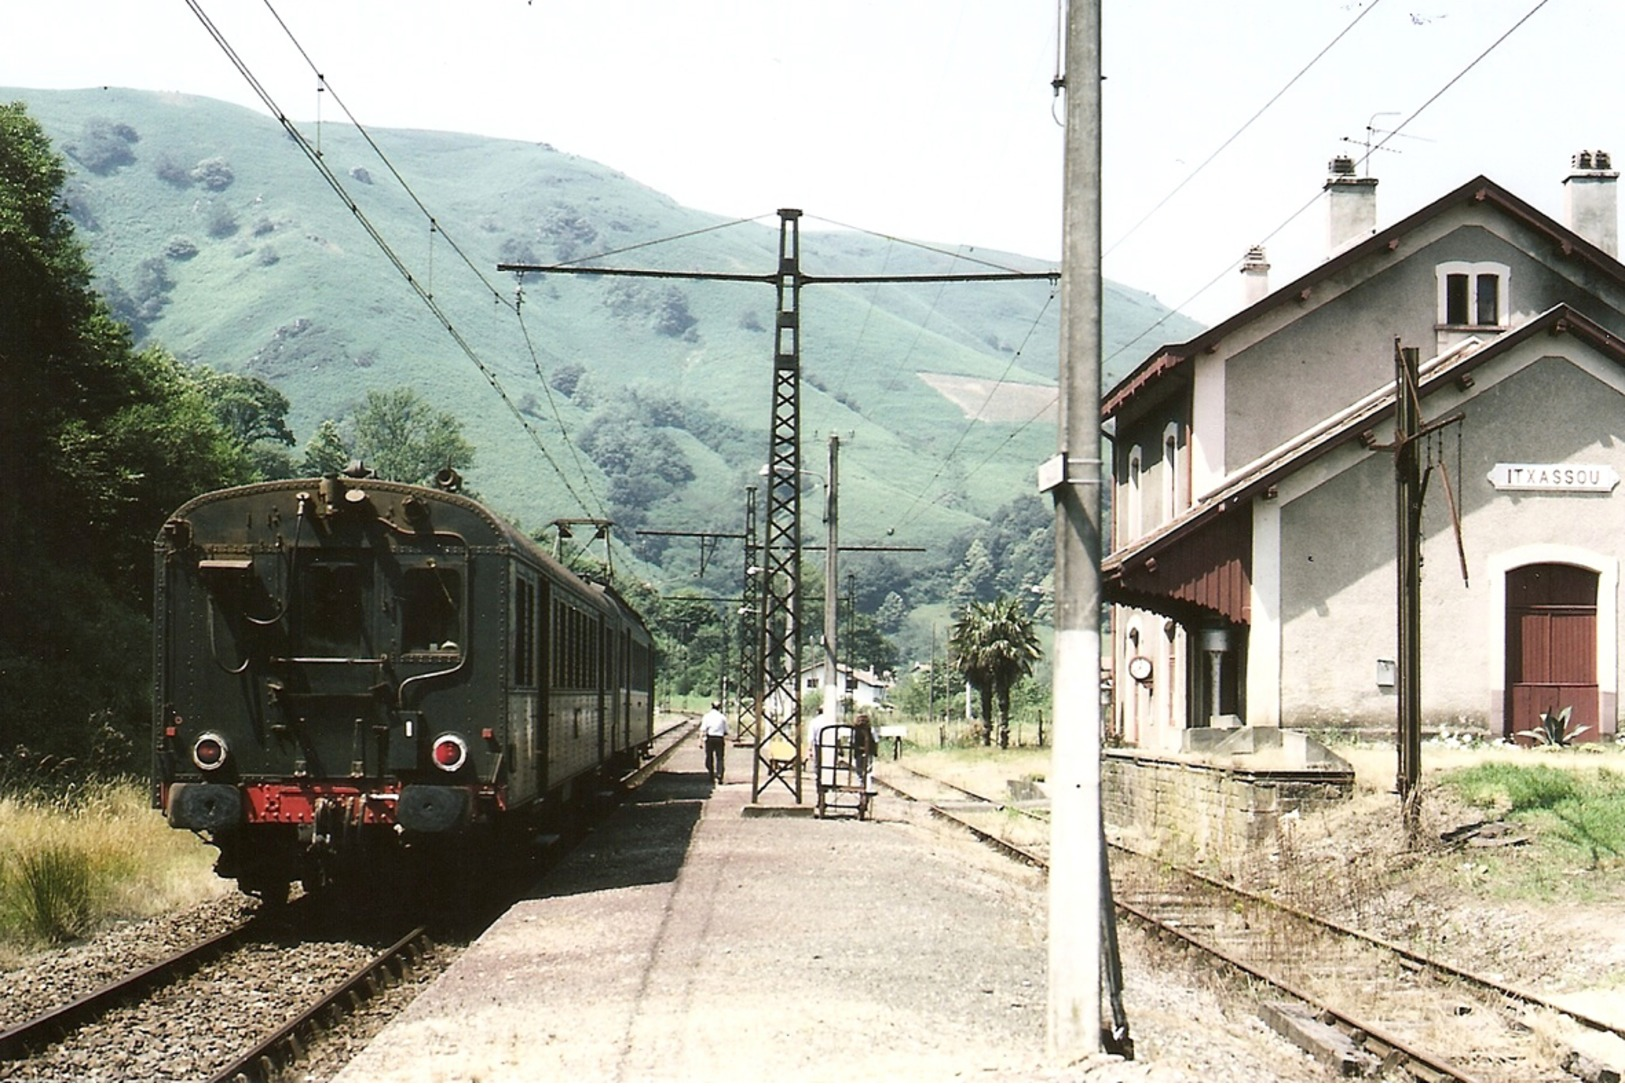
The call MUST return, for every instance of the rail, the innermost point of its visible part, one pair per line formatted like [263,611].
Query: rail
[1192,908]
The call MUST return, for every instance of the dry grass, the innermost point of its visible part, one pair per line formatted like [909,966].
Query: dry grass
[72,861]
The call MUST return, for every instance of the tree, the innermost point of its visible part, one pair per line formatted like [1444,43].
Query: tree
[255,414]
[115,437]
[974,578]
[994,645]
[401,436]
[326,454]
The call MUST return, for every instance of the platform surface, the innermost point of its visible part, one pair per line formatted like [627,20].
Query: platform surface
[684,941]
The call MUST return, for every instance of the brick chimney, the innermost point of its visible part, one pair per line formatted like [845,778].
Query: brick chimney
[1591,202]
[1351,204]
[1255,276]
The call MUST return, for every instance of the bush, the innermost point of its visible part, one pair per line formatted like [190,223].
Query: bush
[175,173]
[104,146]
[214,174]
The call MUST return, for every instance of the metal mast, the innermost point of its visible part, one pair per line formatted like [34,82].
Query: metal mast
[750,640]
[781,552]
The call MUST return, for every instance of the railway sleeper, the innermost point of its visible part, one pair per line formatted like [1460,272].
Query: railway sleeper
[1300,1025]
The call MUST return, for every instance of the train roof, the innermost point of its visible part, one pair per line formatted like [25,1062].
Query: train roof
[477,523]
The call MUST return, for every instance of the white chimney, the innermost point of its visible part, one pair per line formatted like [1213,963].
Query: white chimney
[1255,276]
[1591,202]
[1352,206]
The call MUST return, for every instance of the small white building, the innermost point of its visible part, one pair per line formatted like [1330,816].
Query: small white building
[860,688]
[1253,567]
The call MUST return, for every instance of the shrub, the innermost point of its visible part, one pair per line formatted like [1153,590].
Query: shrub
[219,220]
[104,146]
[175,173]
[214,174]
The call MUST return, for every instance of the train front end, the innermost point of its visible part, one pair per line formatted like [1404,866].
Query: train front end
[320,694]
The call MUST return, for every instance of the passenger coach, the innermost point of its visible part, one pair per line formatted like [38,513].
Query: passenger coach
[352,672]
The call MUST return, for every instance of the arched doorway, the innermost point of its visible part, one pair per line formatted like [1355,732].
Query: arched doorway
[1551,648]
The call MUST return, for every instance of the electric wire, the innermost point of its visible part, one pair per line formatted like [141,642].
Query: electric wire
[1367,10]
[436,228]
[316,160]
[970,422]
[1455,79]
[324,85]
[661,241]
[1451,82]
[1010,364]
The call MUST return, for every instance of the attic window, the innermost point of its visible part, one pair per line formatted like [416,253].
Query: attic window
[1473,295]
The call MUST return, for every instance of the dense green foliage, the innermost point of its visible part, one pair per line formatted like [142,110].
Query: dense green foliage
[100,442]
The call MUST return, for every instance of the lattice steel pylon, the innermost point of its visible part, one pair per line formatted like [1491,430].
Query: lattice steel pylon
[749,721]
[778,743]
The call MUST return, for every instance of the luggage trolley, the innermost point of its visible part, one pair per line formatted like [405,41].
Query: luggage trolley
[843,765]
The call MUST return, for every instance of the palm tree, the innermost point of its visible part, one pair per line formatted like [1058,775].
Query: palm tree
[994,645]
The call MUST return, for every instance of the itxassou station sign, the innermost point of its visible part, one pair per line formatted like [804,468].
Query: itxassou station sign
[1590,478]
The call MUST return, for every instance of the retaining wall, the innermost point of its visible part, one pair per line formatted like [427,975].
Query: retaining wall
[1210,807]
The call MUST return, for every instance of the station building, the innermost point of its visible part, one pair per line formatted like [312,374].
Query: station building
[1252,574]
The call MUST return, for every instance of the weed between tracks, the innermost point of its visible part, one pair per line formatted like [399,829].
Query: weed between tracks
[75,857]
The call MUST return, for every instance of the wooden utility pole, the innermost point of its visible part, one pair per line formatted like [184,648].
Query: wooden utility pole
[1408,566]
[1076,886]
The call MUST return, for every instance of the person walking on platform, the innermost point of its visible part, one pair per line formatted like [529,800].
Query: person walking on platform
[714,727]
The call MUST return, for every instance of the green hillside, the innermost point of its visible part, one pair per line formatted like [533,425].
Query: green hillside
[211,232]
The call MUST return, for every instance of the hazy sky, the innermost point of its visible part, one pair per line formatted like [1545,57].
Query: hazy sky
[928,119]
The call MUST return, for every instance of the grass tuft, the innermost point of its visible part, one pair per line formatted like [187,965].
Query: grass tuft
[75,857]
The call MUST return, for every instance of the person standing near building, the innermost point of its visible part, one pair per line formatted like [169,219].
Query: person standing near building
[714,727]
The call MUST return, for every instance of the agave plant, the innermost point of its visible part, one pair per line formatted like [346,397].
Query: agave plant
[1554,730]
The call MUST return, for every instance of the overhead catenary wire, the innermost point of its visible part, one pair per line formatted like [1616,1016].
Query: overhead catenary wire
[316,160]
[970,422]
[1396,131]
[1248,123]
[436,228]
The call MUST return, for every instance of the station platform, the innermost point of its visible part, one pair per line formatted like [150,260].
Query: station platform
[689,939]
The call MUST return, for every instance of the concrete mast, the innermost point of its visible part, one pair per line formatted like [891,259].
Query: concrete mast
[1073,479]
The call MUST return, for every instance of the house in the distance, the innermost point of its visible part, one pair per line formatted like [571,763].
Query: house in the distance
[861,689]
[1253,570]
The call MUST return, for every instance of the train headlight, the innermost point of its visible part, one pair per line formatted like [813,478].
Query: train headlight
[449,751]
[209,751]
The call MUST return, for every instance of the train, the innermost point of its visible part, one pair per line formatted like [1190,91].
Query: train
[355,677]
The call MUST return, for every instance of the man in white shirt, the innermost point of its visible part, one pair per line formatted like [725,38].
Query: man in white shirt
[714,727]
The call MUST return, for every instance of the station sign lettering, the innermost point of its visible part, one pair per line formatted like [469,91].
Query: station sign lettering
[1582,478]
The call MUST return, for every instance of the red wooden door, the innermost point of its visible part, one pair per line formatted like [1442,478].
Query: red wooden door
[1551,648]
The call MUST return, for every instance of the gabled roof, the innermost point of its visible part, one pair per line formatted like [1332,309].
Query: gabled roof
[1480,190]
[1352,424]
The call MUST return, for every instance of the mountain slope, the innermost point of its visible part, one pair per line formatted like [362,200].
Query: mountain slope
[213,233]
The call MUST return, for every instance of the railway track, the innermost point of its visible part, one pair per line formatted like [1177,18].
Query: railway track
[202,1012]
[1367,1007]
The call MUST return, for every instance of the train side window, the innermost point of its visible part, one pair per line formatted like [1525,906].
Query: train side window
[524,625]
[431,609]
